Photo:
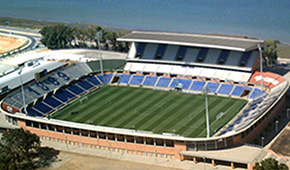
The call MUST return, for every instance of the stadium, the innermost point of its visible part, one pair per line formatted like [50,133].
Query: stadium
[174,93]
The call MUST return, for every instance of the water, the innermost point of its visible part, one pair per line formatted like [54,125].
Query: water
[266,19]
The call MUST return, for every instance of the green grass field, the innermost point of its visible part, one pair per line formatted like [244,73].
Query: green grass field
[151,110]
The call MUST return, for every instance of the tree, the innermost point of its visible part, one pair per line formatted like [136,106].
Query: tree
[16,149]
[270,164]
[57,37]
[270,53]
[64,36]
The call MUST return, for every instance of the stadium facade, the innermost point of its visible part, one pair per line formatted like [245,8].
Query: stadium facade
[224,66]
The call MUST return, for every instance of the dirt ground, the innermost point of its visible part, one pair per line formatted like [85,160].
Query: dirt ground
[75,161]
[8,44]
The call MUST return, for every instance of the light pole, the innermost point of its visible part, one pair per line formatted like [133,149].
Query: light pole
[262,140]
[66,142]
[203,162]
[205,91]
[22,90]
[276,123]
[261,66]
[110,149]
[155,156]
[99,35]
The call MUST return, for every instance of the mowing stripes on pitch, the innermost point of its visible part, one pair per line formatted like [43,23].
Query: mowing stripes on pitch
[151,110]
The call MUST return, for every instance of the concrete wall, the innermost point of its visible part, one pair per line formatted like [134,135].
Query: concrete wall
[125,146]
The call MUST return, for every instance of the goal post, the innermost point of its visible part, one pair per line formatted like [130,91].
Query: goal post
[83,99]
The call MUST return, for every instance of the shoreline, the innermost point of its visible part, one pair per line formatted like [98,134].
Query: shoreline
[27,23]
[36,25]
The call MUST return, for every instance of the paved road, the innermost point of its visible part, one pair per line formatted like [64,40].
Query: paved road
[33,35]
[27,31]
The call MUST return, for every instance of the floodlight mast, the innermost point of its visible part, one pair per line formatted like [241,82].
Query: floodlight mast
[261,66]
[22,90]
[205,91]
[99,35]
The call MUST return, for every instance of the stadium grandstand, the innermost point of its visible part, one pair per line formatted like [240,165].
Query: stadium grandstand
[175,93]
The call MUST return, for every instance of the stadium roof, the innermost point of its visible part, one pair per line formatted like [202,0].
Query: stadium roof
[196,40]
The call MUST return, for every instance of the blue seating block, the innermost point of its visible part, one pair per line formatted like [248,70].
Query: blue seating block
[64,95]
[52,102]
[106,78]
[150,81]
[226,89]
[137,80]
[75,89]
[32,112]
[252,107]
[197,85]
[84,84]
[212,87]
[101,78]
[124,79]
[239,119]
[43,108]
[163,82]
[93,80]
[256,93]
[238,91]
[186,83]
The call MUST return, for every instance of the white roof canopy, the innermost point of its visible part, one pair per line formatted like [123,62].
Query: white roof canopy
[196,40]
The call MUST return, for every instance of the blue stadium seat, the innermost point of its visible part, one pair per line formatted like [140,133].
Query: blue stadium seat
[42,107]
[229,128]
[259,100]
[197,85]
[238,120]
[252,107]
[186,83]
[212,87]
[75,89]
[246,113]
[93,80]
[150,81]
[32,92]
[32,112]
[137,80]
[256,93]
[64,95]
[52,102]
[226,89]
[17,96]
[163,82]
[101,78]
[124,79]
[238,91]
[53,81]
[76,71]
[106,79]
[84,84]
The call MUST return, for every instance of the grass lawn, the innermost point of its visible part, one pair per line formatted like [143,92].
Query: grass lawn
[151,110]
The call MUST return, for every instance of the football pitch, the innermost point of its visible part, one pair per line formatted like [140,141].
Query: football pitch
[151,110]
